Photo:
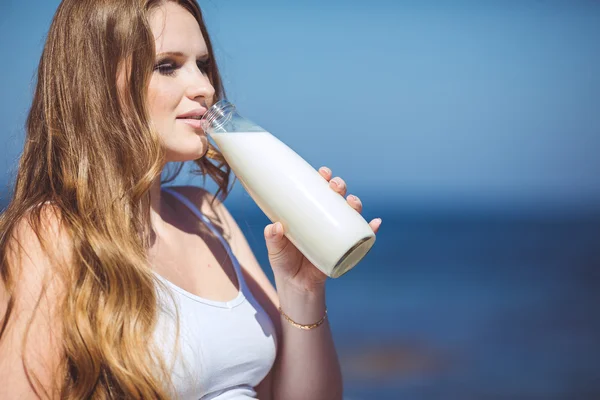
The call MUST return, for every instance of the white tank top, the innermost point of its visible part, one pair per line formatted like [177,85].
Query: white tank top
[226,348]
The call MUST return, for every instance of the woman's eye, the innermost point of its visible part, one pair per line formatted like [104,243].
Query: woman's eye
[168,68]
[203,65]
[165,68]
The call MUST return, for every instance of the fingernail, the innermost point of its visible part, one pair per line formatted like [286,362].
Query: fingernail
[276,228]
[327,170]
[273,231]
[378,219]
[336,182]
[354,198]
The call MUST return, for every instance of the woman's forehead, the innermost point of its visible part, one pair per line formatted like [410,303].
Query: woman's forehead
[176,30]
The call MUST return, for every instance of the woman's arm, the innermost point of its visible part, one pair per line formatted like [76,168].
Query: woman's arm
[308,366]
[36,294]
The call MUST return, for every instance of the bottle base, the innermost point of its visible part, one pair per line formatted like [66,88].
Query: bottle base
[353,256]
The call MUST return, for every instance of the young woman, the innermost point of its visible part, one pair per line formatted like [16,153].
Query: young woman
[114,287]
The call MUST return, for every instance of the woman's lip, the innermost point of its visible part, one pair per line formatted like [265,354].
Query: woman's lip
[195,123]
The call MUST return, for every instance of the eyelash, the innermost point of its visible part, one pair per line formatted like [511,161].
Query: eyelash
[168,68]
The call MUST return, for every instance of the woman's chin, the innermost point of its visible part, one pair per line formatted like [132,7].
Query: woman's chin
[191,147]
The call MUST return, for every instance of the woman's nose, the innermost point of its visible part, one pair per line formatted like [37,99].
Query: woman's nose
[200,86]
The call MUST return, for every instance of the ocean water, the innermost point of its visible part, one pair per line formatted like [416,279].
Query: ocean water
[467,306]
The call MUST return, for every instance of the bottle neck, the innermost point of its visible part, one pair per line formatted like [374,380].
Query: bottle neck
[218,115]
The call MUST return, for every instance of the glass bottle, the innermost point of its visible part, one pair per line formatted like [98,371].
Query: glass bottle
[317,220]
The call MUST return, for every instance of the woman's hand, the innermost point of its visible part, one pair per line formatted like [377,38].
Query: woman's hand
[290,267]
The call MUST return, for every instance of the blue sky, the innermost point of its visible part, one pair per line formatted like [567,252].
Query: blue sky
[417,101]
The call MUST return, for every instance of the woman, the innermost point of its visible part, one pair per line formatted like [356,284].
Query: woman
[116,288]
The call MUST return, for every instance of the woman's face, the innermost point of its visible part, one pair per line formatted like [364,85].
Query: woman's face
[179,89]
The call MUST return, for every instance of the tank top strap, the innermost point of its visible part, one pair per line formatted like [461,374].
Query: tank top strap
[192,207]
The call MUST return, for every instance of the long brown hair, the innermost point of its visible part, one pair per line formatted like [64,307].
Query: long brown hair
[90,151]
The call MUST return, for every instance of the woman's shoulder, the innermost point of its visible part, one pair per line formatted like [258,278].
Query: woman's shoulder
[40,224]
[39,241]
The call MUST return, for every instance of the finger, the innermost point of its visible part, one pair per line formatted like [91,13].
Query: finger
[274,232]
[355,203]
[276,241]
[325,173]
[338,185]
[375,224]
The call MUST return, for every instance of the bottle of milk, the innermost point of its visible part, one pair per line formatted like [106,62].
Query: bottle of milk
[317,220]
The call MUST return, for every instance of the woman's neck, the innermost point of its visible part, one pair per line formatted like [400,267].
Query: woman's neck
[156,206]
[160,212]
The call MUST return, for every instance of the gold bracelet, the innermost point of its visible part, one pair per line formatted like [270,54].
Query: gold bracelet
[300,326]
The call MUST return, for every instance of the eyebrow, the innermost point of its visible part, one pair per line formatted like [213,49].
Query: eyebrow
[180,54]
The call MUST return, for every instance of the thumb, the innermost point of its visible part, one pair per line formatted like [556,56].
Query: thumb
[276,240]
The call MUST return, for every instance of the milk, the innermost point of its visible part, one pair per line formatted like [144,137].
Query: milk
[317,220]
